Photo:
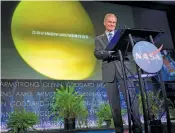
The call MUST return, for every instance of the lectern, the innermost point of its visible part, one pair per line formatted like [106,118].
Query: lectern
[123,42]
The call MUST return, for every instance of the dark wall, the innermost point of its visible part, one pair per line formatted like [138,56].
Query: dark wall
[171,20]
[154,19]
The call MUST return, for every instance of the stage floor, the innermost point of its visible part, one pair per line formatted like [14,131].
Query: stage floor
[76,131]
[106,131]
[94,130]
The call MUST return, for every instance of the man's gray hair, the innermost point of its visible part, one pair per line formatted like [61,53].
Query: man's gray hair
[108,15]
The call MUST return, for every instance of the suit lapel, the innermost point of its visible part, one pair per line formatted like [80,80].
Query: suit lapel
[105,39]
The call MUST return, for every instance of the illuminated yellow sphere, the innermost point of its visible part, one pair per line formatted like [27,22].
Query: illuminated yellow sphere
[55,38]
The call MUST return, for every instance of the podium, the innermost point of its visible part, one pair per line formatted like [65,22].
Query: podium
[123,42]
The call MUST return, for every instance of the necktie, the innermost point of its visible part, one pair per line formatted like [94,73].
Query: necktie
[110,36]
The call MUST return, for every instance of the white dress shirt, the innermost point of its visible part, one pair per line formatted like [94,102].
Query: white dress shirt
[107,34]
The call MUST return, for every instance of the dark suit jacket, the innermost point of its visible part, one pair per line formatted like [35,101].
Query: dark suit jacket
[108,68]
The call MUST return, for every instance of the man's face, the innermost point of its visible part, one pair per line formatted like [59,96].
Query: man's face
[110,23]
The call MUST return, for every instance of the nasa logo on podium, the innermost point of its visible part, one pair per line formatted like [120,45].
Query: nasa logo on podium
[147,56]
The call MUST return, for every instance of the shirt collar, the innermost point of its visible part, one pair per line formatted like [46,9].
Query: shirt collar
[107,32]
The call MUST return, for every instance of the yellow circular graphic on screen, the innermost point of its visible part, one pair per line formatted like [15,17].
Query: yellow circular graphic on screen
[55,38]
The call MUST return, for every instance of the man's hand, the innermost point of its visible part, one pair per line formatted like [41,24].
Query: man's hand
[112,55]
[111,52]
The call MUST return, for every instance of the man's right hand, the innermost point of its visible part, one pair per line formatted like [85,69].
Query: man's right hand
[111,52]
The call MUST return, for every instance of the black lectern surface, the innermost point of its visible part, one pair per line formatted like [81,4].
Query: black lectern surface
[120,41]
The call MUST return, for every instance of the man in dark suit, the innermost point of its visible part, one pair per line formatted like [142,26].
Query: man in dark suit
[111,72]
